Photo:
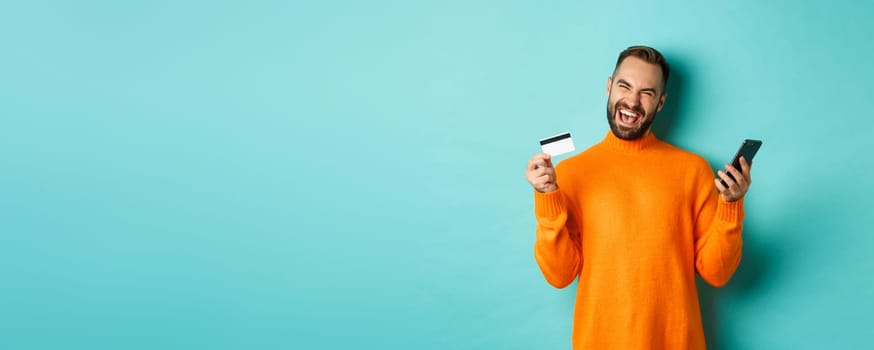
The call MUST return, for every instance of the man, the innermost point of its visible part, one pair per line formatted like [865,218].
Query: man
[635,218]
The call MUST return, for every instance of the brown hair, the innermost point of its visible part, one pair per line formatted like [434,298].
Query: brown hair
[649,55]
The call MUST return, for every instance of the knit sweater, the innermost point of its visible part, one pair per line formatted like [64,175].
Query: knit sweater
[635,220]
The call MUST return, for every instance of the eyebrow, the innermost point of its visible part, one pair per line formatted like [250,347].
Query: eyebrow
[622,81]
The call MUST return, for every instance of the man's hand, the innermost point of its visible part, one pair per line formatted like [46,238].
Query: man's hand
[738,187]
[541,174]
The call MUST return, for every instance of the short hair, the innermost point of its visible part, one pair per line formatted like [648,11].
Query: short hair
[649,55]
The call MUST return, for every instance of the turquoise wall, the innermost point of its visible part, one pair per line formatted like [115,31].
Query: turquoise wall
[332,175]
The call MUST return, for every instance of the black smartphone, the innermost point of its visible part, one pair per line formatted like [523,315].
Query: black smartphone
[747,150]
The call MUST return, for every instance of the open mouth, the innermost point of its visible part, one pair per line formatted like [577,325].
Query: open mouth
[628,118]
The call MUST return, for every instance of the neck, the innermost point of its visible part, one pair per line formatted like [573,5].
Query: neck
[636,145]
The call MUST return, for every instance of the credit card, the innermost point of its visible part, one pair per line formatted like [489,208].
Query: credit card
[558,144]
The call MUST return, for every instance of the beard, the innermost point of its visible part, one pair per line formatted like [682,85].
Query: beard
[627,133]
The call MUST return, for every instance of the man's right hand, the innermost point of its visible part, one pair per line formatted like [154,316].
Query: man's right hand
[541,174]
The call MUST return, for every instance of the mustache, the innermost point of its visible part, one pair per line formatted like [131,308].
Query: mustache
[636,109]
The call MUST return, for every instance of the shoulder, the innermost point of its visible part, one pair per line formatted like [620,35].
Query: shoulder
[577,161]
[572,171]
[689,161]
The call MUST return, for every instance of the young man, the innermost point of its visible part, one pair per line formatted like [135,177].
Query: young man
[635,218]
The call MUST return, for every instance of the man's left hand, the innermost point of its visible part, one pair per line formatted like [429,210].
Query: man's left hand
[738,186]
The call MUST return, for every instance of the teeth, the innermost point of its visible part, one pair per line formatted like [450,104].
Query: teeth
[627,113]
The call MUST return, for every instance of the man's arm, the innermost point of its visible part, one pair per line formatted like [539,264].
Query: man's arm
[719,225]
[557,248]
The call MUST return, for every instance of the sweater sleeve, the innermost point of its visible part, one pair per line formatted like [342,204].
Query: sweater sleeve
[718,239]
[557,248]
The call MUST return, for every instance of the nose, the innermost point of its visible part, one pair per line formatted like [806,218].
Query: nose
[633,100]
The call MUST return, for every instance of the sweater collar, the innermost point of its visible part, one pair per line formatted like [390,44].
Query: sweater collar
[613,142]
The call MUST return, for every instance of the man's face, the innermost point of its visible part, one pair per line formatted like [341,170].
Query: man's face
[634,95]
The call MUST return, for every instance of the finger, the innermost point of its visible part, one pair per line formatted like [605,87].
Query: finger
[738,177]
[543,181]
[719,185]
[532,177]
[550,171]
[729,182]
[540,160]
[545,178]
[533,173]
[532,163]
[544,161]
[745,169]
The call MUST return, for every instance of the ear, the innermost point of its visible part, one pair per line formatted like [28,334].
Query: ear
[662,102]
[609,84]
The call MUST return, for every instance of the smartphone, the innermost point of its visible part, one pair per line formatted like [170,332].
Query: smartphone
[747,150]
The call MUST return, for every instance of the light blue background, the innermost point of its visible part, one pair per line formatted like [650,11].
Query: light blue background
[331,175]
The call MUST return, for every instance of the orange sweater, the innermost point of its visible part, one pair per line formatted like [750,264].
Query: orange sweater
[634,220]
